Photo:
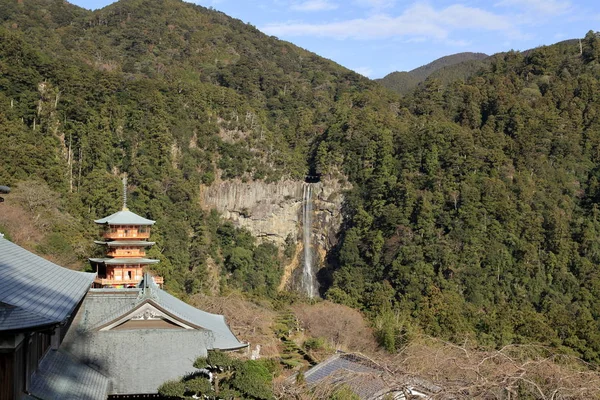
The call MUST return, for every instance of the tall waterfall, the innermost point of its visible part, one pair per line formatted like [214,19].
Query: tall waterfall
[308,278]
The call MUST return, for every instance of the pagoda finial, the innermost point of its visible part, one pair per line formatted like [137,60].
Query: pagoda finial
[125,193]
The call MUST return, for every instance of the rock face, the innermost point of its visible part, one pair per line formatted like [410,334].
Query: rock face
[273,212]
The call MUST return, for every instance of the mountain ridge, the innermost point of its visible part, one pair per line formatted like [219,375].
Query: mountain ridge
[405,81]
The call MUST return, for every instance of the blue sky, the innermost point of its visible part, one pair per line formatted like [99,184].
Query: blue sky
[376,37]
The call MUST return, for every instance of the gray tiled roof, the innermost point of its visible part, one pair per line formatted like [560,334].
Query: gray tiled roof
[360,374]
[138,361]
[365,378]
[35,291]
[224,338]
[124,217]
[103,305]
[346,362]
[60,377]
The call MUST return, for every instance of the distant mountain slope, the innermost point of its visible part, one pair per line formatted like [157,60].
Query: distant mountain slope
[404,82]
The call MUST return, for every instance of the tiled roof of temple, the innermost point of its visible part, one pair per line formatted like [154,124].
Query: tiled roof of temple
[367,379]
[61,377]
[142,337]
[34,291]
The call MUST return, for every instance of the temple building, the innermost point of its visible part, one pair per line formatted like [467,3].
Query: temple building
[141,337]
[38,301]
[125,237]
[69,335]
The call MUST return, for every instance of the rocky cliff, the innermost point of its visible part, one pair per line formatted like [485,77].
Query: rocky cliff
[273,212]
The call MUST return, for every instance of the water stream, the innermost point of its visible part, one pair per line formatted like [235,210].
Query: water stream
[308,278]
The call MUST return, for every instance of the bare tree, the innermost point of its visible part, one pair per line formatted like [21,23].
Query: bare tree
[345,328]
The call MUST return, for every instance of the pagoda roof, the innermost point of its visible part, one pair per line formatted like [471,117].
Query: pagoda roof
[118,243]
[124,217]
[124,260]
[34,291]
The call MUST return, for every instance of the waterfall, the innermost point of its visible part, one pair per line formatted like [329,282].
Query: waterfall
[308,278]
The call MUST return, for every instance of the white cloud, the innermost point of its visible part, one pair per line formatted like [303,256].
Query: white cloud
[420,20]
[364,71]
[378,26]
[416,39]
[549,7]
[377,4]
[458,43]
[314,5]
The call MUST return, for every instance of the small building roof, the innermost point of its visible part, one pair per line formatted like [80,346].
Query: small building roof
[366,378]
[124,217]
[358,373]
[34,291]
[224,338]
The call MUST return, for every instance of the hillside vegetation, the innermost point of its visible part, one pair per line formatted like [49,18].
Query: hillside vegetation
[474,209]
[176,96]
[447,69]
[480,218]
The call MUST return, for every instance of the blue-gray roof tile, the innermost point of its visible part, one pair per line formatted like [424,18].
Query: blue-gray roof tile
[34,290]
[138,361]
[60,377]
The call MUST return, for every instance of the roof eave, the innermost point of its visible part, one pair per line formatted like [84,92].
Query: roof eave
[241,346]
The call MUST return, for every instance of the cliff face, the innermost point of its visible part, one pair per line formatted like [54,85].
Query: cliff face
[267,210]
[273,212]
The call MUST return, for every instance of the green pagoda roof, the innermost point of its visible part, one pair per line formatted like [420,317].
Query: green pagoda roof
[124,217]
[123,261]
[118,243]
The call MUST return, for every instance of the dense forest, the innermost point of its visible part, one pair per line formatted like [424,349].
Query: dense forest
[446,69]
[473,213]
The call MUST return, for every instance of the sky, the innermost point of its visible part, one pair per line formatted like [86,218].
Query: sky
[377,37]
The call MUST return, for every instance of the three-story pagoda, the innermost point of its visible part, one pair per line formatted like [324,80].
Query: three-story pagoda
[125,235]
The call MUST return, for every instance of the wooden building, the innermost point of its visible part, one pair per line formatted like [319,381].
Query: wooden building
[38,300]
[123,338]
[125,236]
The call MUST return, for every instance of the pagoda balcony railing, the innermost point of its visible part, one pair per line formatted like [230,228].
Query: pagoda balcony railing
[159,280]
[126,282]
[108,281]
[126,253]
[125,235]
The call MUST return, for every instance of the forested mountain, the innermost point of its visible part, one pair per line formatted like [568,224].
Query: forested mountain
[473,213]
[171,93]
[480,219]
[447,69]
